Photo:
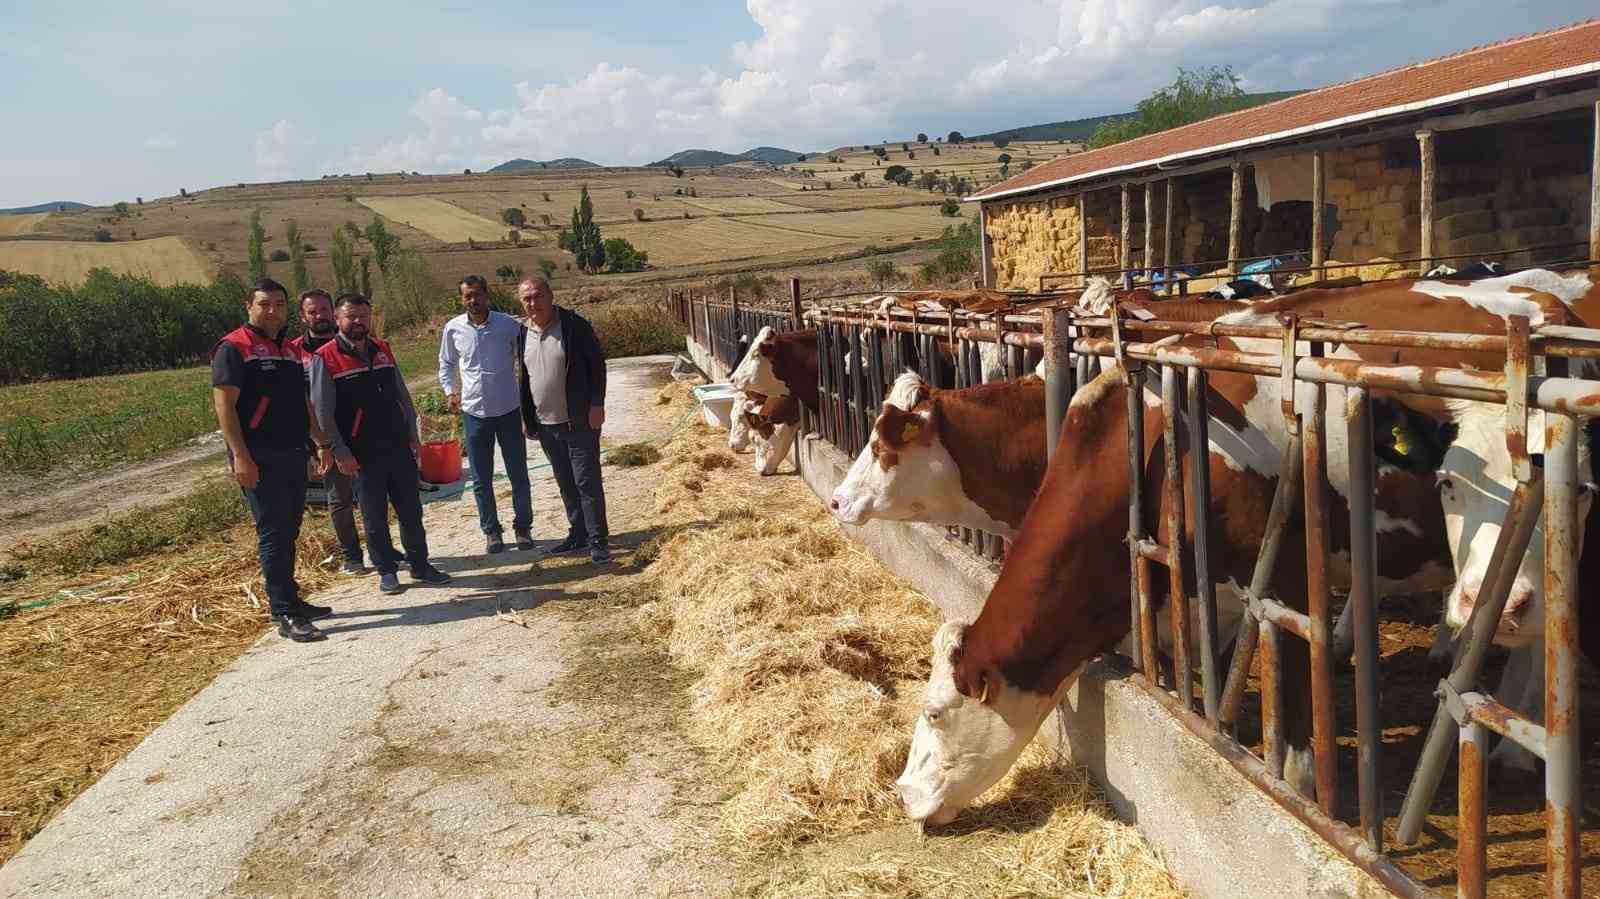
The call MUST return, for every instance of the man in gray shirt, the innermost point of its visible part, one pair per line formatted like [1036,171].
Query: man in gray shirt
[482,343]
[564,405]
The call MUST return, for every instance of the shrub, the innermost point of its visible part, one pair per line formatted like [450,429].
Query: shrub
[410,292]
[881,271]
[508,273]
[279,256]
[870,250]
[120,208]
[514,217]
[622,256]
[636,330]
[547,197]
[638,214]
[955,137]
[628,194]
[922,138]
[103,235]
[958,253]
[547,267]
[1002,142]
[950,207]
[880,152]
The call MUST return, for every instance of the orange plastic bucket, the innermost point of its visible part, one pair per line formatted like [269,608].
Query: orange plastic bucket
[441,462]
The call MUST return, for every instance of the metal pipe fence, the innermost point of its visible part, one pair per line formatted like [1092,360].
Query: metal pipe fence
[862,350]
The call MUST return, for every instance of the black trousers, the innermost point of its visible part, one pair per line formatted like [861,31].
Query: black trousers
[278,505]
[390,478]
[574,455]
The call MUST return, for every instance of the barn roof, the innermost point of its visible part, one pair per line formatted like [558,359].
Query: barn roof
[1494,68]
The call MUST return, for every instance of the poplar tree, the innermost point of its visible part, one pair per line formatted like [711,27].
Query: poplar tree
[258,255]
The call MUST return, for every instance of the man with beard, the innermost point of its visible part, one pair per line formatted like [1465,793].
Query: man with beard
[362,403]
[316,313]
[259,393]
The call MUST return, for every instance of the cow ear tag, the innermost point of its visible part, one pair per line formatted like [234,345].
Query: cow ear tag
[910,432]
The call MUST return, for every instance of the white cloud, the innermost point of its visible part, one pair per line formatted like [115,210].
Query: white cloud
[281,152]
[823,73]
[161,142]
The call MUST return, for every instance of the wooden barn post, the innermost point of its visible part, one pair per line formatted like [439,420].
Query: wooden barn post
[1083,240]
[794,303]
[1125,260]
[1058,373]
[988,250]
[1166,237]
[1425,238]
[1318,201]
[1148,265]
[1594,191]
[1235,216]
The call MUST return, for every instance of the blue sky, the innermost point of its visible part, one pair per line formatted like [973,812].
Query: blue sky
[107,101]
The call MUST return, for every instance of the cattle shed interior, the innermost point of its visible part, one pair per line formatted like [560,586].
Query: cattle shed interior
[1503,170]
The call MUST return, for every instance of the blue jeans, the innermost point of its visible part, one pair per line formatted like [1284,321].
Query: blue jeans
[481,435]
[278,504]
[391,477]
[574,455]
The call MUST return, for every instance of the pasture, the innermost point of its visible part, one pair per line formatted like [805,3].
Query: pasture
[21,223]
[436,218]
[165,260]
[800,213]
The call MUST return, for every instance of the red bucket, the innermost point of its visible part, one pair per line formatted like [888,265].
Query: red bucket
[441,462]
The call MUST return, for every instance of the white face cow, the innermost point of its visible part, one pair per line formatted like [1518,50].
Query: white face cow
[738,425]
[905,473]
[963,745]
[755,373]
[1475,487]
[772,450]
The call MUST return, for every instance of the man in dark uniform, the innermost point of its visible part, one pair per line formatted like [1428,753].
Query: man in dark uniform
[316,314]
[361,401]
[258,389]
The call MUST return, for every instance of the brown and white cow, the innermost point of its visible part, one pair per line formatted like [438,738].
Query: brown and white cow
[1061,596]
[780,364]
[773,426]
[937,456]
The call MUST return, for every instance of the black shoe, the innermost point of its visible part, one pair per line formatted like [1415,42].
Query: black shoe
[310,612]
[428,574]
[299,630]
[571,546]
[355,567]
[600,555]
[389,583]
[525,539]
[494,544]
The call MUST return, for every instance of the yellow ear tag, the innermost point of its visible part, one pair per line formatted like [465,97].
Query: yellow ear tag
[909,432]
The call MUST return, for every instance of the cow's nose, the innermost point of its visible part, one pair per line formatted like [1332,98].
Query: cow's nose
[833,503]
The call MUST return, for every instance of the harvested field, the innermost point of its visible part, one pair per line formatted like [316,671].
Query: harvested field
[809,661]
[888,225]
[846,198]
[686,242]
[736,205]
[20,223]
[444,221]
[166,260]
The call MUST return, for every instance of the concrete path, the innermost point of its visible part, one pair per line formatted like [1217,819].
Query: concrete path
[456,741]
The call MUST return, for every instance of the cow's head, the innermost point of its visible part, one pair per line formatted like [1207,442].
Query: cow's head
[904,473]
[738,421]
[773,444]
[758,372]
[973,727]
[1475,487]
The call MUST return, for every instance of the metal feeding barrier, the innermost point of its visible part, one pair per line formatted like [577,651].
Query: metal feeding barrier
[861,350]
[1462,712]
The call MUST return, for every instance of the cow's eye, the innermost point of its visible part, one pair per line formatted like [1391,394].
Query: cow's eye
[932,715]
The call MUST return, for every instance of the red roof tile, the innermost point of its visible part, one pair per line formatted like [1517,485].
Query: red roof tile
[1480,70]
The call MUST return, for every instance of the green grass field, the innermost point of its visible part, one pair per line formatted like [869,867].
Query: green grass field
[93,422]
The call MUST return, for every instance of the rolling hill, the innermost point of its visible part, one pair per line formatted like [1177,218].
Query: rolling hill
[565,162]
[769,155]
[1080,129]
[57,206]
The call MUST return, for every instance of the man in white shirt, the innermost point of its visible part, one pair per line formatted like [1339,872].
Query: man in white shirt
[482,343]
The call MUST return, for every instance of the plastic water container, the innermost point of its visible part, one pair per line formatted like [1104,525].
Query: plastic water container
[716,403]
[441,461]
